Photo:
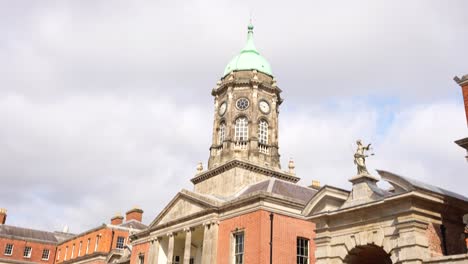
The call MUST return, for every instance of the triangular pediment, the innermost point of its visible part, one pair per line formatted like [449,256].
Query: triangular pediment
[326,199]
[184,204]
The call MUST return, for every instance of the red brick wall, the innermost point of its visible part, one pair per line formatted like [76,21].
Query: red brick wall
[435,242]
[104,244]
[256,227]
[137,250]
[18,250]
[454,239]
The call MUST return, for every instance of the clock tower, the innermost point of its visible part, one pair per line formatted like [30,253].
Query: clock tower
[244,147]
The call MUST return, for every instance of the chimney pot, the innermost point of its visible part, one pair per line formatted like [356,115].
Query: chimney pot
[134,214]
[117,219]
[3,216]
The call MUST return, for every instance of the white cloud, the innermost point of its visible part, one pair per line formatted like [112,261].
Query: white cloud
[81,155]
[103,107]
[418,143]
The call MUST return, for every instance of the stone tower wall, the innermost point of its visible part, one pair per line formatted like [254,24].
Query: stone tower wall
[255,87]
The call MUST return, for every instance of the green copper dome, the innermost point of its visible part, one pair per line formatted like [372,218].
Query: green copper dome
[249,58]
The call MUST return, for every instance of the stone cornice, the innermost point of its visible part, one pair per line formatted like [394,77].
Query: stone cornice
[406,195]
[103,226]
[15,261]
[255,199]
[243,82]
[101,255]
[461,81]
[194,197]
[20,238]
[245,165]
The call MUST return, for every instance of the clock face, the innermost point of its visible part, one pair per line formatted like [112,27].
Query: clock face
[264,107]
[222,109]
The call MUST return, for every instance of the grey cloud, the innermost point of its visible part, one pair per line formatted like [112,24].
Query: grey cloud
[106,105]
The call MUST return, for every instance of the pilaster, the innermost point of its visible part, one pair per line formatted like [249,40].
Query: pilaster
[206,251]
[153,253]
[188,245]
[214,240]
[170,248]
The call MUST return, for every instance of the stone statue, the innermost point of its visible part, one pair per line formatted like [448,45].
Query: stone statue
[360,158]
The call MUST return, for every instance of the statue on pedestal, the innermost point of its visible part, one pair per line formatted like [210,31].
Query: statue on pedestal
[360,158]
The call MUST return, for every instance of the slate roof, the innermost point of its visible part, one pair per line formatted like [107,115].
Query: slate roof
[283,188]
[134,224]
[15,232]
[410,184]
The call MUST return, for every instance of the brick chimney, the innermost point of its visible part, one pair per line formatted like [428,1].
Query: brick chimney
[117,219]
[463,82]
[3,215]
[134,214]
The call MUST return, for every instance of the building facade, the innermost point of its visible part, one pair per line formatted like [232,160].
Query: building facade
[25,245]
[107,243]
[244,209]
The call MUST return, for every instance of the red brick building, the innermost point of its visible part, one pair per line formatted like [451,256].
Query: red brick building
[24,245]
[463,82]
[103,244]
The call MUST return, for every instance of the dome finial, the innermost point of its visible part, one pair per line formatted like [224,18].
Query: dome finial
[249,58]
[250,46]
[250,26]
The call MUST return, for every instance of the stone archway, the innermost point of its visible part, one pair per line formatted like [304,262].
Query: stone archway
[369,254]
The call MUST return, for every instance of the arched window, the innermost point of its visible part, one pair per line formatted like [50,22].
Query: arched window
[241,129]
[221,133]
[263,132]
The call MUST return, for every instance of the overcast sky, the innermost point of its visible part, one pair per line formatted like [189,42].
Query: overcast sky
[106,105]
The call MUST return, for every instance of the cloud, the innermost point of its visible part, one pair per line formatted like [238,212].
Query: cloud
[83,154]
[104,107]
[417,143]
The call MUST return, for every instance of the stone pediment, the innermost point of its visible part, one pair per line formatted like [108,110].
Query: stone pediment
[326,199]
[184,204]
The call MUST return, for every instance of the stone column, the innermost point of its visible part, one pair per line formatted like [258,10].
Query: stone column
[188,245]
[206,253]
[153,254]
[170,248]
[214,241]
[150,252]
